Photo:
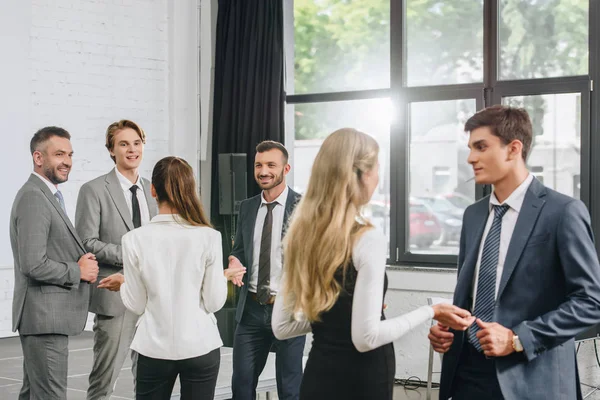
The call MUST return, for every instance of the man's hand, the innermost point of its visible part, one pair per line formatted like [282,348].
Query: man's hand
[495,340]
[88,266]
[112,282]
[441,339]
[235,271]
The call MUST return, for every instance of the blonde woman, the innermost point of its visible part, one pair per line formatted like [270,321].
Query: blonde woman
[334,279]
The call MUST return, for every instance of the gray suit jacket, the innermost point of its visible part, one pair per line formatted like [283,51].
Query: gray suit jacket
[244,238]
[48,297]
[101,219]
[549,292]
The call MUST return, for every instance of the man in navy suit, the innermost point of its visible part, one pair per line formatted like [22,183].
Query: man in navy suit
[257,246]
[528,270]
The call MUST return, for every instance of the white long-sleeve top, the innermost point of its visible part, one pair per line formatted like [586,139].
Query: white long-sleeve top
[368,331]
[174,280]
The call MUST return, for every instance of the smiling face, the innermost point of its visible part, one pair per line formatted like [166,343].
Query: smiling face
[270,169]
[127,150]
[54,159]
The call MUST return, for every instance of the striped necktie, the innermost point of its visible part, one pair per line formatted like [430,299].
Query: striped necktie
[485,297]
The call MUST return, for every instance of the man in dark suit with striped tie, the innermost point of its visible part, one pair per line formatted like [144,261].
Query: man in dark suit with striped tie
[257,246]
[528,270]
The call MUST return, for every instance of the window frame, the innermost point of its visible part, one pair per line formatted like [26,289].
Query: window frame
[486,93]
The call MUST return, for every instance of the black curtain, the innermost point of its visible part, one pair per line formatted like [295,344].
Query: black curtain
[249,84]
[248,105]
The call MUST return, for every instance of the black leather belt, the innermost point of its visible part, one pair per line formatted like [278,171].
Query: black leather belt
[270,301]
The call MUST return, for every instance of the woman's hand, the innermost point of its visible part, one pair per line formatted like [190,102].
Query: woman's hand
[452,316]
[112,282]
[235,271]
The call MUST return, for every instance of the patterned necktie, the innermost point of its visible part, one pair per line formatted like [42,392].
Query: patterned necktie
[485,297]
[263,290]
[61,200]
[135,207]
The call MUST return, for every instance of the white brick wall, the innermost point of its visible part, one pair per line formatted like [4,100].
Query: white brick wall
[6,290]
[93,62]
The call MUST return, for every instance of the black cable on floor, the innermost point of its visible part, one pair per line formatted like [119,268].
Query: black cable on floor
[414,383]
[596,351]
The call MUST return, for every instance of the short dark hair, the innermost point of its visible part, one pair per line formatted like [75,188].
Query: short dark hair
[507,123]
[267,145]
[44,134]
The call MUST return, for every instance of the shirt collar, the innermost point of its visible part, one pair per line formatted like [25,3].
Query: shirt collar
[164,218]
[50,185]
[176,218]
[126,183]
[281,199]
[516,198]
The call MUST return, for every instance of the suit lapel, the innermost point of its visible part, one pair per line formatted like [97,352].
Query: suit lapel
[530,211]
[152,207]
[290,204]
[467,270]
[254,206]
[116,193]
[52,199]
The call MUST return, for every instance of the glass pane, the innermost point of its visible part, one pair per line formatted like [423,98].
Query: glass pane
[313,122]
[441,180]
[341,45]
[444,42]
[542,39]
[555,157]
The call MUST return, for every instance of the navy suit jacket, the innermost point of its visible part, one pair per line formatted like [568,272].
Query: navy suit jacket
[549,292]
[243,246]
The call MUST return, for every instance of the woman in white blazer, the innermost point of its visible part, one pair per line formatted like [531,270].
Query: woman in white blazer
[174,279]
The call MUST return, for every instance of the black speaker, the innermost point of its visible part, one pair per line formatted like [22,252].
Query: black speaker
[233,177]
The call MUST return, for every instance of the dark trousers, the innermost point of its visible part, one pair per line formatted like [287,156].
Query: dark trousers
[198,377]
[251,345]
[475,377]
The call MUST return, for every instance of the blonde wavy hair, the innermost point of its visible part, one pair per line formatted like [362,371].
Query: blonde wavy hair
[324,226]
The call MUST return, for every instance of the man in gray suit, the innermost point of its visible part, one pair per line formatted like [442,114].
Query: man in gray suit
[528,270]
[51,267]
[107,208]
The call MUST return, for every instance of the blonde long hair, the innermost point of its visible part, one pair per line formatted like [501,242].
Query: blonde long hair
[324,226]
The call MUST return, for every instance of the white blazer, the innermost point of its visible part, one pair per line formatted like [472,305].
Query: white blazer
[174,280]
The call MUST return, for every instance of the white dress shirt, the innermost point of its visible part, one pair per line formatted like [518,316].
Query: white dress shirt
[368,331]
[174,280]
[50,185]
[276,247]
[515,201]
[126,185]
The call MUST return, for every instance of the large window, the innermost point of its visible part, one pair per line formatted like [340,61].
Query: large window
[410,72]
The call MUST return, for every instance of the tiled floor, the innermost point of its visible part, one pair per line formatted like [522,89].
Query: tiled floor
[81,358]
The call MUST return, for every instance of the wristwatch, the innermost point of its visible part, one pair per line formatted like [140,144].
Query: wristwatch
[516,343]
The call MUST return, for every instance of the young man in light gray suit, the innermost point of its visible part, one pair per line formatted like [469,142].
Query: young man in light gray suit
[107,208]
[51,269]
[528,270]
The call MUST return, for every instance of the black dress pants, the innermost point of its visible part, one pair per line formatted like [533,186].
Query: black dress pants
[198,377]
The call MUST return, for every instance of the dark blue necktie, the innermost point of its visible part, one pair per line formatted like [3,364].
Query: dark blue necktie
[485,297]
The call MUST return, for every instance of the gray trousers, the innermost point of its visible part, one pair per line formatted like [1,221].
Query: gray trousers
[45,365]
[112,338]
